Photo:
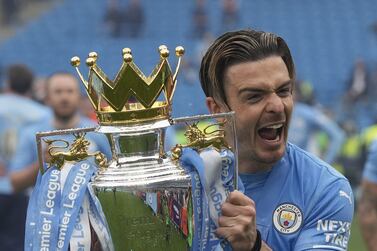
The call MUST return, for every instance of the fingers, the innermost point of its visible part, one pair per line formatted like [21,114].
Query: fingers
[237,222]
[240,231]
[228,209]
[238,198]
[238,204]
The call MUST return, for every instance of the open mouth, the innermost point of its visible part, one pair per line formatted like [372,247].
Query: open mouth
[272,132]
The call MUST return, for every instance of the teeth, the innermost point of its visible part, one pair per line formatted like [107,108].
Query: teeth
[275,126]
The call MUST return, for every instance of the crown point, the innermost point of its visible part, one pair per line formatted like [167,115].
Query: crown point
[127,58]
[162,47]
[126,51]
[93,55]
[179,51]
[75,61]
[164,53]
[90,62]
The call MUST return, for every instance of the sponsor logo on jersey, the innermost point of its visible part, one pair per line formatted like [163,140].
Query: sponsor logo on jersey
[344,194]
[335,232]
[287,218]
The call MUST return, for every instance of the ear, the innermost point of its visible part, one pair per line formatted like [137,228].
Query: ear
[212,106]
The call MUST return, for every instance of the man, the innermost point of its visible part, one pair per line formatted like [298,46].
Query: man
[367,209]
[63,96]
[17,110]
[293,200]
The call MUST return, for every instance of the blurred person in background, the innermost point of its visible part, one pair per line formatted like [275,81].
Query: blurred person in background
[113,18]
[230,16]
[17,110]
[311,128]
[199,19]
[351,158]
[367,206]
[358,84]
[9,11]
[63,96]
[134,19]
[39,90]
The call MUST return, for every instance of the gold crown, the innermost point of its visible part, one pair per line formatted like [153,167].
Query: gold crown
[131,98]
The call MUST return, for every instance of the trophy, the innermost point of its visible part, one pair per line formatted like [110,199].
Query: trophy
[149,199]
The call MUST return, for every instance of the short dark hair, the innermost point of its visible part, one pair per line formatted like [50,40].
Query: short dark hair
[57,73]
[20,78]
[237,47]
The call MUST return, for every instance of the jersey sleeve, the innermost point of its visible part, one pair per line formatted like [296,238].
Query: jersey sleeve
[26,151]
[328,226]
[370,168]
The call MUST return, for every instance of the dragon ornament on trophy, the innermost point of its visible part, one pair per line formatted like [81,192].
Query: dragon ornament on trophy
[143,198]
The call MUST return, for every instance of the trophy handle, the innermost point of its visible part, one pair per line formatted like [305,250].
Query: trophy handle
[228,141]
[40,135]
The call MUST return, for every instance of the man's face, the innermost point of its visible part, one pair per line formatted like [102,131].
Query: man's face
[261,95]
[63,96]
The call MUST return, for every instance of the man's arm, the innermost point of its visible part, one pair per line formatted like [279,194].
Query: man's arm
[367,213]
[327,224]
[367,208]
[24,164]
[2,169]
[237,224]
[24,178]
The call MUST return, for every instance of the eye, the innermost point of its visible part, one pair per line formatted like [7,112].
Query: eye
[284,92]
[254,98]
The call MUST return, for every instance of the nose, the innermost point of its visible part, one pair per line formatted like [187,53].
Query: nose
[275,103]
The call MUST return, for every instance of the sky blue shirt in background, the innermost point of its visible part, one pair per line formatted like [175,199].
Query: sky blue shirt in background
[308,120]
[370,168]
[16,112]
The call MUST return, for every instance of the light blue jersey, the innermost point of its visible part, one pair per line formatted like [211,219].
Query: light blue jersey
[27,154]
[306,122]
[16,112]
[370,168]
[302,203]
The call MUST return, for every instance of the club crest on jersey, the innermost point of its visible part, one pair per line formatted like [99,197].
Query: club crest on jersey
[287,218]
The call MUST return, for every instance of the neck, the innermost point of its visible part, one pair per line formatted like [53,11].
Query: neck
[66,123]
[252,166]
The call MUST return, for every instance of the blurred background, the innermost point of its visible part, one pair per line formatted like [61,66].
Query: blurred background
[334,46]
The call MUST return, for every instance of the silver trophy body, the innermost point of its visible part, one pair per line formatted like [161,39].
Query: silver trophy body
[138,188]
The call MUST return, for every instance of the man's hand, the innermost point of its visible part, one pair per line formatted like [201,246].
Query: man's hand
[2,169]
[237,223]
[367,213]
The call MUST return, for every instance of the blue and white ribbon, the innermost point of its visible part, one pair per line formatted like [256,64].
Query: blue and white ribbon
[61,210]
[212,176]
